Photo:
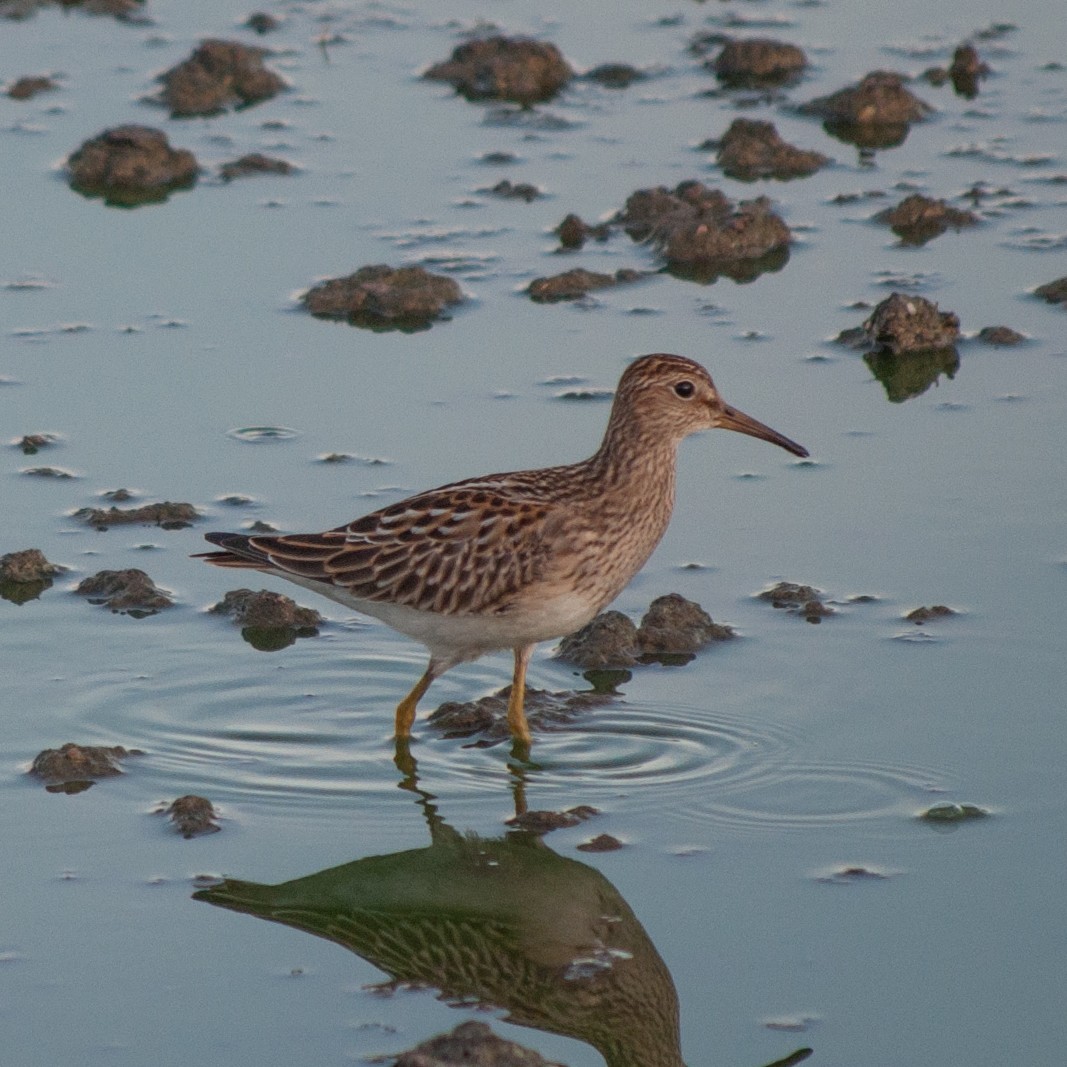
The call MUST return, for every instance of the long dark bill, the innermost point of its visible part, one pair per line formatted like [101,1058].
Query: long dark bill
[732,419]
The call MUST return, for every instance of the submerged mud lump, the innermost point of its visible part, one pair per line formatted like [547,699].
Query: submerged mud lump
[544,822]
[694,226]
[385,298]
[917,218]
[1053,292]
[600,843]
[1000,336]
[262,22]
[573,232]
[878,99]
[924,615]
[472,1043]
[901,324]
[965,72]
[254,163]
[30,85]
[129,165]
[31,443]
[73,768]
[166,515]
[515,69]
[752,149]
[575,284]
[615,75]
[218,75]
[757,62]
[127,592]
[949,814]
[488,714]
[875,113]
[803,600]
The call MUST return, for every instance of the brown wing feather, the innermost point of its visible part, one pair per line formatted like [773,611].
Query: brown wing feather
[462,549]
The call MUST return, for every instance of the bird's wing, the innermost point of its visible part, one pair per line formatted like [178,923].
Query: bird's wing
[462,549]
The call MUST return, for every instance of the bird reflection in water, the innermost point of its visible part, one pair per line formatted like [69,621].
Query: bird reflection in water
[502,922]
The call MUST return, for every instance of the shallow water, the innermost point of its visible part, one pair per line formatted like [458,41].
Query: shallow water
[742,784]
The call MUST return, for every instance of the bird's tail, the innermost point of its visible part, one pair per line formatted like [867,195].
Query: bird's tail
[238,552]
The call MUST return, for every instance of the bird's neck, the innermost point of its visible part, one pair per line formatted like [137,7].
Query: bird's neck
[638,463]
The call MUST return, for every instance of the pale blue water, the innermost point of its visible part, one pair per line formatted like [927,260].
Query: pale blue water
[737,782]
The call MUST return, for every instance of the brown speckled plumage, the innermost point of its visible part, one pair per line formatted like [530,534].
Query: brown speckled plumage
[508,560]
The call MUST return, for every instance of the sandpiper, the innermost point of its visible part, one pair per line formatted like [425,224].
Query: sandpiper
[508,560]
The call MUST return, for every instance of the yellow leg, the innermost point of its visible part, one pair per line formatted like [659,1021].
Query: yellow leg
[405,710]
[520,729]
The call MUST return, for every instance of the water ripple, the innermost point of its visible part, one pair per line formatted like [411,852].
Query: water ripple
[260,739]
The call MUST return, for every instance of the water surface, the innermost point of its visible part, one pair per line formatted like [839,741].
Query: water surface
[742,784]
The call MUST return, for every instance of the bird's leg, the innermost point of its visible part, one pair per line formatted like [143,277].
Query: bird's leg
[520,729]
[405,710]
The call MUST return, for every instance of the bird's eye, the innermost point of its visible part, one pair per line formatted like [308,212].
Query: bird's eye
[685,389]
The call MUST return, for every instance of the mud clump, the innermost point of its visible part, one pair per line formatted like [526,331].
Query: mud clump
[573,232]
[29,86]
[514,69]
[385,298]
[609,640]
[924,615]
[803,600]
[918,219]
[671,632]
[73,768]
[252,164]
[266,609]
[269,621]
[544,822]
[128,592]
[166,515]
[471,1043]
[752,149]
[576,284]
[1000,336]
[218,75]
[875,113]
[701,233]
[192,816]
[674,626]
[1053,292]
[25,575]
[29,565]
[903,324]
[758,62]
[121,10]
[131,165]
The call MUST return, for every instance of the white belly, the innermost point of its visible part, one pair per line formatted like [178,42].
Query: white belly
[457,638]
